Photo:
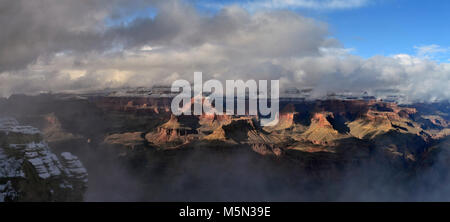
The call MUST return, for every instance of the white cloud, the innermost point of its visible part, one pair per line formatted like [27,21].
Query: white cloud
[294,4]
[232,44]
[431,51]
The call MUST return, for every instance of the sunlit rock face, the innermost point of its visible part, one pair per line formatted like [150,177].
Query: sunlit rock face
[324,142]
[30,171]
[172,134]
[319,125]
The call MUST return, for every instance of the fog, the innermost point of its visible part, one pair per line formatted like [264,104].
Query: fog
[202,172]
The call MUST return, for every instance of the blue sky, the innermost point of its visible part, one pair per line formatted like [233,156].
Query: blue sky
[392,26]
[370,27]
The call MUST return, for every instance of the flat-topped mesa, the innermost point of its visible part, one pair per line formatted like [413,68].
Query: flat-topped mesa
[30,171]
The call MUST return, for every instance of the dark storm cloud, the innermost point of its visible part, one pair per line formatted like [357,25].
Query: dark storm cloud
[30,29]
[69,45]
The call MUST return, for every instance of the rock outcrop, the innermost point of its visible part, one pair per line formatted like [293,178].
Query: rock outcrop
[244,131]
[307,126]
[53,131]
[130,139]
[30,171]
[171,134]
[321,131]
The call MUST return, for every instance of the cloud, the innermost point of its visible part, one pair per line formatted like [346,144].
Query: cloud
[179,40]
[295,4]
[30,29]
[431,51]
[322,4]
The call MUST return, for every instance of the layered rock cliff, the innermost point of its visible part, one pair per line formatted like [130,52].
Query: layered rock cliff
[30,171]
[326,142]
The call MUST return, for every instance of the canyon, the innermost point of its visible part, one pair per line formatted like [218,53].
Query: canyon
[136,150]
